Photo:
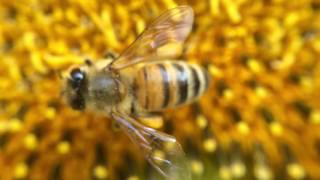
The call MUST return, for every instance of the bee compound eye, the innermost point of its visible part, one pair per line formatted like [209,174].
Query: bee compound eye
[77,75]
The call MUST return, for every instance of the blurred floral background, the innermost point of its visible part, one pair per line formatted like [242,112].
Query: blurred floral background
[259,120]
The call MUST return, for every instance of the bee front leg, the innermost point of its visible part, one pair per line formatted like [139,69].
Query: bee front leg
[110,55]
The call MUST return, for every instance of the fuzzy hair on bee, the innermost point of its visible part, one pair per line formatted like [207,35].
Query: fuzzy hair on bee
[143,79]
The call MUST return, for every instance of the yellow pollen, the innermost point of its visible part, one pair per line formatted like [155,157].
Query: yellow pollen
[243,128]
[21,171]
[15,125]
[197,167]
[238,169]
[210,145]
[225,172]
[315,116]
[50,113]
[201,121]
[228,94]
[63,147]
[100,172]
[30,141]
[276,128]
[295,171]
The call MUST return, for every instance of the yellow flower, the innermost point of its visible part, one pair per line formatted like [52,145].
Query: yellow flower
[263,57]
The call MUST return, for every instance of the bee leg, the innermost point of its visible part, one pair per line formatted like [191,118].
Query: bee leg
[151,120]
[110,55]
[115,126]
[173,165]
[147,114]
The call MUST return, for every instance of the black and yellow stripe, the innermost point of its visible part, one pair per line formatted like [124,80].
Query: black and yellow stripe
[168,84]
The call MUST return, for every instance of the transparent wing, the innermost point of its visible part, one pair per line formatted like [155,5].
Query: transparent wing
[162,151]
[160,40]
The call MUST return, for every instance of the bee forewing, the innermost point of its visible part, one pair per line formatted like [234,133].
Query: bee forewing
[162,151]
[167,32]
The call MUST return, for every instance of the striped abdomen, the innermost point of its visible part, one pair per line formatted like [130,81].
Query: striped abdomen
[167,84]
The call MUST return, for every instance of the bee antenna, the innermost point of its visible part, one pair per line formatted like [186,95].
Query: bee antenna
[88,62]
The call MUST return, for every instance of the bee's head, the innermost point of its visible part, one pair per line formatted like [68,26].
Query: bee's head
[75,87]
[92,87]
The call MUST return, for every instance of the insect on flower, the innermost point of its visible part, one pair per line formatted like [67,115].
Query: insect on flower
[142,80]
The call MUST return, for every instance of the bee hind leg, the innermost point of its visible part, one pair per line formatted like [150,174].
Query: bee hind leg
[153,120]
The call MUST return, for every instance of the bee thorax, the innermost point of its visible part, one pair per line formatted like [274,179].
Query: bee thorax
[104,90]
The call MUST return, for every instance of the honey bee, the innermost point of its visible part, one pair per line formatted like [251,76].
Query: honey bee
[142,80]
